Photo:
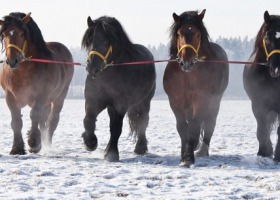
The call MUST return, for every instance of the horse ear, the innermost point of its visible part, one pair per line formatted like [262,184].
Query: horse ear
[1,22]
[266,17]
[89,21]
[201,15]
[176,17]
[26,18]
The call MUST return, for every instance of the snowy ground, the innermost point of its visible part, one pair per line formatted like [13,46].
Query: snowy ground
[68,171]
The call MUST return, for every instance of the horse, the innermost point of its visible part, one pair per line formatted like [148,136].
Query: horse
[41,86]
[119,89]
[194,86]
[261,81]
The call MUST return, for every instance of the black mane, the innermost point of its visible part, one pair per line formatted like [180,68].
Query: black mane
[274,22]
[190,17]
[114,32]
[31,30]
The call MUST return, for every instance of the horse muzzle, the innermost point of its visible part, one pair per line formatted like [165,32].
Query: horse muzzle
[274,71]
[186,66]
[13,63]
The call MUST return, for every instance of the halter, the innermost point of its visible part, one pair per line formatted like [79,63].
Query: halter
[104,58]
[22,51]
[268,55]
[188,46]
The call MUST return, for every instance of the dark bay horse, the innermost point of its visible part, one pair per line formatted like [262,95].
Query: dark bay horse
[262,83]
[41,86]
[194,88]
[121,89]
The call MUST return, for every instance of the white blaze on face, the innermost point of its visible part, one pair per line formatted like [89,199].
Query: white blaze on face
[12,32]
[277,35]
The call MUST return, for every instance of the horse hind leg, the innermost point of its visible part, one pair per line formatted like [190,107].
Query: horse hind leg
[207,131]
[34,135]
[277,148]
[43,122]
[138,120]
[263,134]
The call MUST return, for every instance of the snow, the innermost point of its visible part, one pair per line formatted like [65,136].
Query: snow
[68,171]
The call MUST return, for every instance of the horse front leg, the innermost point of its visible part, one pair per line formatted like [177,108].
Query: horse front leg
[192,140]
[16,124]
[34,134]
[195,118]
[93,108]
[116,123]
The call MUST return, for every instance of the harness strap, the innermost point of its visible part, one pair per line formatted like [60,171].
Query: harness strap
[104,58]
[189,46]
[268,55]
[18,48]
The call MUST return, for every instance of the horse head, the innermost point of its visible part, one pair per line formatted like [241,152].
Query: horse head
[271,42]
[189,38]
[98,46]
[14,38]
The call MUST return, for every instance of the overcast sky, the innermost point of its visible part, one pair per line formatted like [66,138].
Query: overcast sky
[145,21]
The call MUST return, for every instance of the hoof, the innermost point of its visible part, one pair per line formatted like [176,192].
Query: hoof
[187,161]
[203,150]
[141,147]
[34,140]
[15,151]
[90,142]
[35,150]
[112,157]
[264,154]
[141,151]
[186,164]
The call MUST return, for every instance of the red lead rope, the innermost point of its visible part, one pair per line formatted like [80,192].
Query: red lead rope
[231,62]
[54,61]
[140,62]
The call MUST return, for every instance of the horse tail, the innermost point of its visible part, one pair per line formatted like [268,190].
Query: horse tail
[138,116]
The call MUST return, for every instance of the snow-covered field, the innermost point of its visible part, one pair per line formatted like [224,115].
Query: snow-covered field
[68,171]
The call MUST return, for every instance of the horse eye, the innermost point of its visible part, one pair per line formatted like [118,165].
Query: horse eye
[22,34]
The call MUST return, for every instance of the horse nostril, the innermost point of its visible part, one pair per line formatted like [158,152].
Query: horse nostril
[12,62]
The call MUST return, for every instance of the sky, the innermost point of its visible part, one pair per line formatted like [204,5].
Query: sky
[145,21]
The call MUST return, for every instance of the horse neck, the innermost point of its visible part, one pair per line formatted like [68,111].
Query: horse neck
[260,55]
[31,50]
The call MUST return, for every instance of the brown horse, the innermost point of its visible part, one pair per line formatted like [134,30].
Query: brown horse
[194,88]
[41,86]
[262,83]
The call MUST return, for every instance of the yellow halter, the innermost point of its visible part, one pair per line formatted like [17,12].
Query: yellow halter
[189,46]
[23,50]
[196,50]
[268,55]
[104,58]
